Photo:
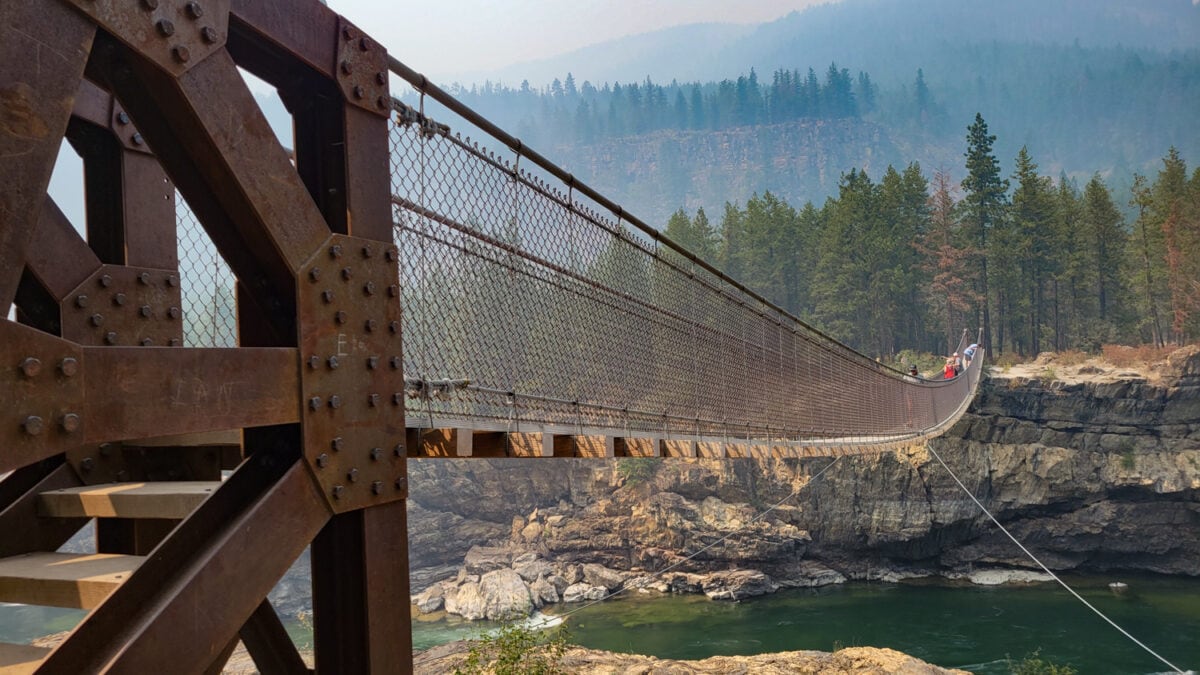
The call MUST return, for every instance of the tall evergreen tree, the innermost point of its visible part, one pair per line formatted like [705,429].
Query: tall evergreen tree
[984,205]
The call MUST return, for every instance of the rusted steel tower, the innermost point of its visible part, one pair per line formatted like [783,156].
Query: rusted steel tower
[97,388]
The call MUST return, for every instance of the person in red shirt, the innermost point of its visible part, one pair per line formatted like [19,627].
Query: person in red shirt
[948,372]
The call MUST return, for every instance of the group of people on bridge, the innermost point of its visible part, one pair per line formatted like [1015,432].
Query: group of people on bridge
[956,363]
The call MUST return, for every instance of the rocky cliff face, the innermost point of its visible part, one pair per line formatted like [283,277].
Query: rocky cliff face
[1093,470]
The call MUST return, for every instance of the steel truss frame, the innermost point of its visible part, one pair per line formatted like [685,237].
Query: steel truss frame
[148,93]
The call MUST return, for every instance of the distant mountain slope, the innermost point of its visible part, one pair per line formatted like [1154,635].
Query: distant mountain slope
[889,38]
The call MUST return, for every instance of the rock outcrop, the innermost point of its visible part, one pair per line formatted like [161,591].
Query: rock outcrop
[1096,471]
[852,660]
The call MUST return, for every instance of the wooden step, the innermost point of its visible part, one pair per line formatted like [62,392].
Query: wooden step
[171,500]
[63,579]
[20,659]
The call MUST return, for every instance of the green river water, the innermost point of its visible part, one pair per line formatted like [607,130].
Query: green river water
[975,628]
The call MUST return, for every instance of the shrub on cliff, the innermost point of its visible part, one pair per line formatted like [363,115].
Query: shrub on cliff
[516,649]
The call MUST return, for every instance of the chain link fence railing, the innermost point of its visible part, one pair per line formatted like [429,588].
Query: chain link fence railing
[206,284]
[530,300]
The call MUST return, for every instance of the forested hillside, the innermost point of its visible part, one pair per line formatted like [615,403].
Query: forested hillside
[909,260]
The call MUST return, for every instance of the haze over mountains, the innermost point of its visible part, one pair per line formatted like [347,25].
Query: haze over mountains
[1088,85]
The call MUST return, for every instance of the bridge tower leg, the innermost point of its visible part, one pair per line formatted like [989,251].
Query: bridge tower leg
[149,93]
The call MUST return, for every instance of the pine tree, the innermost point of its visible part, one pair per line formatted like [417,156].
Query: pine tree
[946,260]
[1150,254]
[1032,213]
[1105,231]
[983,208]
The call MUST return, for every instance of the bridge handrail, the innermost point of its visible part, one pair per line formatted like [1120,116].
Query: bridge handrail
[426,87]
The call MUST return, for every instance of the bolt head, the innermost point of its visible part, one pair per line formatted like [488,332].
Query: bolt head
[97,320]
[81,301]
[122,118]
[393,291]
[369,288]
[181,53]
[194,10]
[335,251]
[68,366]
[377,487]
[337,491]
[335,401]
[138,140]
[333,363]
[110,338]
[119,299]
[347,273]
[146,342]
[33,425]
[105,280]
[165,28]
[209,35]
[370,325]
[397,398]
[381,103]
[381,78]
[390,254]
[373,400]
[339,316]
[87,464]
[352,475]
[327,296]
[314,403]
[394,326]
[314,361]
[314,274]
[173,312]
[367,251]
[346,67]
[336,444]
[364,44]
[372,362]
[359,92]
[398,450]
[376,453]
[174,342]
[144,278]
[395,362]
[144,310]
[31,366]
[322,460]
[70,423]
[172,280]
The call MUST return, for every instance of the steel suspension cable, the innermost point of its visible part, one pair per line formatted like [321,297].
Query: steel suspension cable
[1047,569]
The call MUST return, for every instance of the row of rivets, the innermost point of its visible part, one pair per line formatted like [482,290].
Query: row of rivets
[34,425]
[32,366]
[376,486]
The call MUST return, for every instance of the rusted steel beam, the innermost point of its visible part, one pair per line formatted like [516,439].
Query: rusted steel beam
[269,643]
[360,592]
[209,576]
[26,532]
[281,34]
[43,49]
[58,257]
[140,392]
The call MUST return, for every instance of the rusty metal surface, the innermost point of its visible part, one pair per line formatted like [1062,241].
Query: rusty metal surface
[360,568]
[58,257]
[287,32]
[351,377]
[26,532]
[35,106]
[175,34]
[41,395]
[362,69]
[269,644]
[148,207]
[143,392]
[125,306]
[234,547]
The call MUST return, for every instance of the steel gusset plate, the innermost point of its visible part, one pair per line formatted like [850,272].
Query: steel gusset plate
[127,306]
[362,69]
[41,395]
[352,377]
[175,34]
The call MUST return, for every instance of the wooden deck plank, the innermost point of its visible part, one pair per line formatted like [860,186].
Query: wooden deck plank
[63,579]
[20,659]
[170,500]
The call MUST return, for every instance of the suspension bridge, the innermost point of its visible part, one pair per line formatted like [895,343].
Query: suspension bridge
[235,355]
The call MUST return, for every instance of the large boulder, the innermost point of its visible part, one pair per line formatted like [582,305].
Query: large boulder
[543,592]
[738,584]
[581,592]
[484,559]
[599,575]
[532,569]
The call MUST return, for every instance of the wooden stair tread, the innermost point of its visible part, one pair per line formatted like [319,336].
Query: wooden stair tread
[21,659]
[63,579]
[171,500]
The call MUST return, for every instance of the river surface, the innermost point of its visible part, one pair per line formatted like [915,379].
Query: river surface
[976,628]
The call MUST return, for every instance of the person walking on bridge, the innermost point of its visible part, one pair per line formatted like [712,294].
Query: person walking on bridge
[948,372]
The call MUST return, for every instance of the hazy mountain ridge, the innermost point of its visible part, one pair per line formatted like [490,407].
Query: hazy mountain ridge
[888,38]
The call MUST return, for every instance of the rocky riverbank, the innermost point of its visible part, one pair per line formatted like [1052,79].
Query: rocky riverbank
[1095,468]
[864,660]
